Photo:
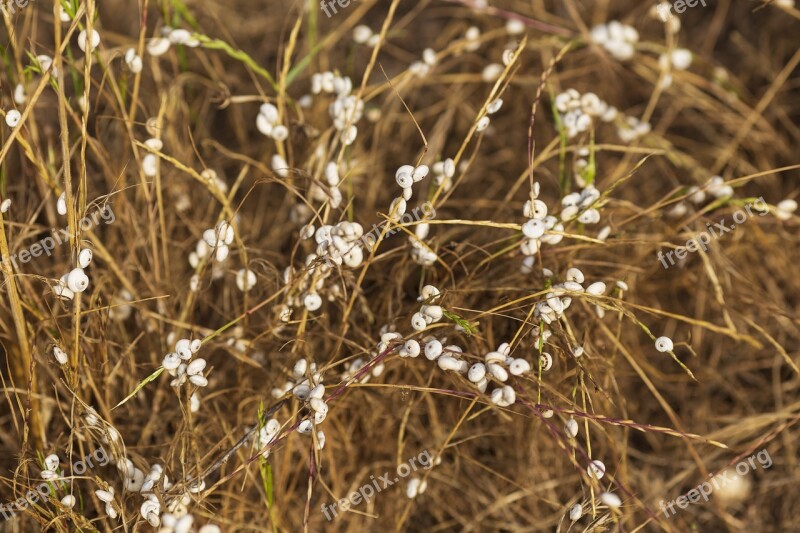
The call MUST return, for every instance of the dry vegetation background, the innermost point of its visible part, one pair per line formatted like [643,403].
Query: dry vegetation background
[732,312]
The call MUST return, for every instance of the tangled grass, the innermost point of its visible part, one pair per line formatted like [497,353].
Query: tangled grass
[87,373]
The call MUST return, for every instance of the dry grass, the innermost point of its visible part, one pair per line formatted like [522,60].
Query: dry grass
[732,311]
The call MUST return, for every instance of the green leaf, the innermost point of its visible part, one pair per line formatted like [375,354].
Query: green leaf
[468,328]
[141,385]
[239,55]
